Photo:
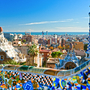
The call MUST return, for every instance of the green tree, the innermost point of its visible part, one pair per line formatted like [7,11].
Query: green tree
[44,64]
[56,54]
[13,39]
[85,47]
[33,52]
[19,39]
[24,40]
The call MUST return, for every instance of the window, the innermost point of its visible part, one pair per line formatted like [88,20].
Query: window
[42,58]
[1,57]
[27,51]
[75,43]
[42,53]
[48,54]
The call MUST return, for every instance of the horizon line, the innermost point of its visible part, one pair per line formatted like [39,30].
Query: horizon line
[43,31]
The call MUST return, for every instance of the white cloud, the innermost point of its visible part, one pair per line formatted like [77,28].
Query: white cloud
[86,17]
[63,29]
[45,22]
[57,29]
[72,29]
[70,19]
[76,22]
[67,29]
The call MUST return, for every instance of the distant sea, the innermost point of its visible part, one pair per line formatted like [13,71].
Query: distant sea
[51,33]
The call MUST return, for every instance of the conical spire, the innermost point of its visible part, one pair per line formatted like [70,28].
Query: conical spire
[88,46]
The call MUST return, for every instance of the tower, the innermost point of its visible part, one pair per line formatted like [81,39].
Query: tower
[55,38]
[42,34]
[43,38]
[46,34]
[88,46]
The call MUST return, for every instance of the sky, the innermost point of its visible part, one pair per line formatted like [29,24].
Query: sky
[44,15]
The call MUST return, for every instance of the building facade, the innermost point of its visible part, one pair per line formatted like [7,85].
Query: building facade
[7,51]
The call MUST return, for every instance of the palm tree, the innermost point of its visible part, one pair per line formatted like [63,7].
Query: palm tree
[33,52]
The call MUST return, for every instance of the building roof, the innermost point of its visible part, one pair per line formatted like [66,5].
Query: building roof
[78,42]
[53,60]
[16,41]
[44,51]
[55,50]
[79,52]
[25,44]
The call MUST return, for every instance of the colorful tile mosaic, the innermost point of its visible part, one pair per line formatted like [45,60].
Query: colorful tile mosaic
[14,80]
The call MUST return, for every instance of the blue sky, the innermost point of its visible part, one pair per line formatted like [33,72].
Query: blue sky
[44,15]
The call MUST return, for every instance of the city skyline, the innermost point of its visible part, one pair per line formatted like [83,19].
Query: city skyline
[37,16]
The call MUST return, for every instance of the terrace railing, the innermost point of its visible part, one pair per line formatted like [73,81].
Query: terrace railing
[60,74]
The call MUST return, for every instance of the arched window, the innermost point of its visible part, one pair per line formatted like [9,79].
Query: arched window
[1,57]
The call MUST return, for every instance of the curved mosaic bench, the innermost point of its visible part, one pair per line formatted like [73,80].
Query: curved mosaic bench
[15,78]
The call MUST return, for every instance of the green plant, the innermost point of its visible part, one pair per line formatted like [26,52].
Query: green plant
[21,42]
[56,54]
[35,64]
[44,64]
[23,63]
[19,39]
[85,47]
[13,39]
[24,40]
[12,62]
[18,44]
[33,51]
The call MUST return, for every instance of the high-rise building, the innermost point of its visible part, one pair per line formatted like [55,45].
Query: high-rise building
[42,34]
[55,38]
[46,32]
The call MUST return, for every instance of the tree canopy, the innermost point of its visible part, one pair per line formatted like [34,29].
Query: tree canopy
[32,50]
[56,54]
[24,40]
[85,47]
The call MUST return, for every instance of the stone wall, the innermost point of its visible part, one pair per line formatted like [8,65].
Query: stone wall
[5,57]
